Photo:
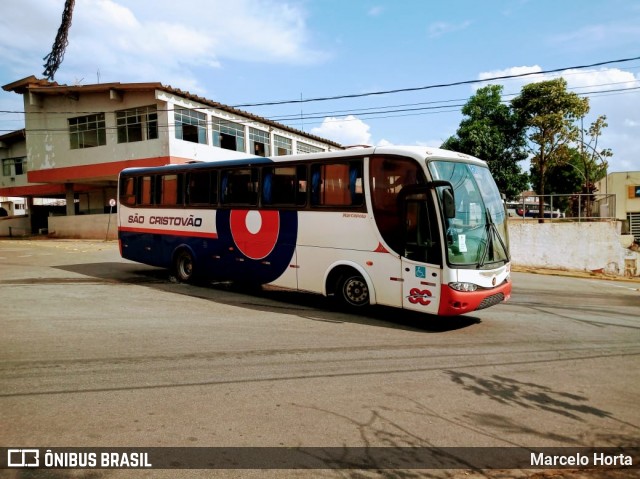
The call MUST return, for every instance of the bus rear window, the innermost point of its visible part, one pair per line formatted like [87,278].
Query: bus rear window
[128,191]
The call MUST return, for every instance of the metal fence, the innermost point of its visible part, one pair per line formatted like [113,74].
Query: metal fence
[576,207]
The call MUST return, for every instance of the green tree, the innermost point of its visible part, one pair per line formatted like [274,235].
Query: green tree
[593,162]
[566,178]
[490,131]
[584,166]
[549,113]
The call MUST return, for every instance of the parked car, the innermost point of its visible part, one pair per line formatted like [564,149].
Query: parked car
[515,209]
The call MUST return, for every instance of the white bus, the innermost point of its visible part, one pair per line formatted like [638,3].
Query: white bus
[410,227]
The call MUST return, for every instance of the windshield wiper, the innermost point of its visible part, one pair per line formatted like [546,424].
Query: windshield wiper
[492,231]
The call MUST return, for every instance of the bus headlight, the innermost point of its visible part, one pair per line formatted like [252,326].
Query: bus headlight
[463,286]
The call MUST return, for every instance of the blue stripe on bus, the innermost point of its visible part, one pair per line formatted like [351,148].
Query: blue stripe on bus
[222,258]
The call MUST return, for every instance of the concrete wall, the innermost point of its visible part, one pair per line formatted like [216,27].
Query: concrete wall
[84,226]
[571,246]
[17,226]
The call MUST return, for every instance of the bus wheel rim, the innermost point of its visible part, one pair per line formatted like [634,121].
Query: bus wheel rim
[355,291]
[185,266]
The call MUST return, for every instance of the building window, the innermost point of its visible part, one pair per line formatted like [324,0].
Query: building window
[191,125]
[306,148]
[14,166]
[282,146]
[228,135]
[259,142]
[87,131]
[137,124]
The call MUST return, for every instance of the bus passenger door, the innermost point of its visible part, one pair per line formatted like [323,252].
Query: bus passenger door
[422,256]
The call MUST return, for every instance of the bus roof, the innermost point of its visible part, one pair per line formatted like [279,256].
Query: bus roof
[419,153]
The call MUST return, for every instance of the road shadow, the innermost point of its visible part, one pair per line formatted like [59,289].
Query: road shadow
[309,306]
[509,391]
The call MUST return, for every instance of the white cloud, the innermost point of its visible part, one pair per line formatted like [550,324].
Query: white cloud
[375,11]
[154,40]
[608,35]
[532,75]
[438,29]
[347,131]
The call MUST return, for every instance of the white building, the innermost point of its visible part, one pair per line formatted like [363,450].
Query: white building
[626,186]
[78,138]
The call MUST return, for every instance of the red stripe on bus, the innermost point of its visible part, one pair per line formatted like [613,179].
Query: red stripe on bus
[193,234]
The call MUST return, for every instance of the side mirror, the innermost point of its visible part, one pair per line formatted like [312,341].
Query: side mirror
[448,203]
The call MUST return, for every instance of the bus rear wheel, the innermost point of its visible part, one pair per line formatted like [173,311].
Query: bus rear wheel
[353,291]
[184,266]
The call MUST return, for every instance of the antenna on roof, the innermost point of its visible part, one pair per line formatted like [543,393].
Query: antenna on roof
[54,59]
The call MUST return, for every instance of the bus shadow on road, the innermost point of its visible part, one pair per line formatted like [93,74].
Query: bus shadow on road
[305,305]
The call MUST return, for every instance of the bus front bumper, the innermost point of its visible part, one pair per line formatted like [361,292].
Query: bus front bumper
[454,302]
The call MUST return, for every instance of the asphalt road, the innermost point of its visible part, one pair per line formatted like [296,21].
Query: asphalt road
[96,351]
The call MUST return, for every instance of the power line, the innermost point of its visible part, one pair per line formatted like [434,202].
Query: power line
[440,85]
[358,111]
[399,113]
[386,111]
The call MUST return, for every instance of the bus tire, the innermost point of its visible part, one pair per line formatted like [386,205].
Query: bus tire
[353,291]
[184,266]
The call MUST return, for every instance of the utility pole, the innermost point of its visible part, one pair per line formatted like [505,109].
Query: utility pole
[54,59]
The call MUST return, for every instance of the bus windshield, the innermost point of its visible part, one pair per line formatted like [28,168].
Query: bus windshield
[477,236]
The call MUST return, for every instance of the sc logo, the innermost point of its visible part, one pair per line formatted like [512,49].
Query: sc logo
[419,296]
[23,457]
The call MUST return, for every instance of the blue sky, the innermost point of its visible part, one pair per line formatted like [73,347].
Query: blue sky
[252,51]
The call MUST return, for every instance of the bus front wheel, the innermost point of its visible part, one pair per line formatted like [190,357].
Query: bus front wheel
[184,266]
[353,291]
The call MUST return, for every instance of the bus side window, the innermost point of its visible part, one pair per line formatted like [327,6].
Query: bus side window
[337,184]
[148,192]
[301,191]
[171,190]
[240,186]
[267,182]
[315,185]
[388,176]
[355,183]
[213,196]
[198,188]
[284,186]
